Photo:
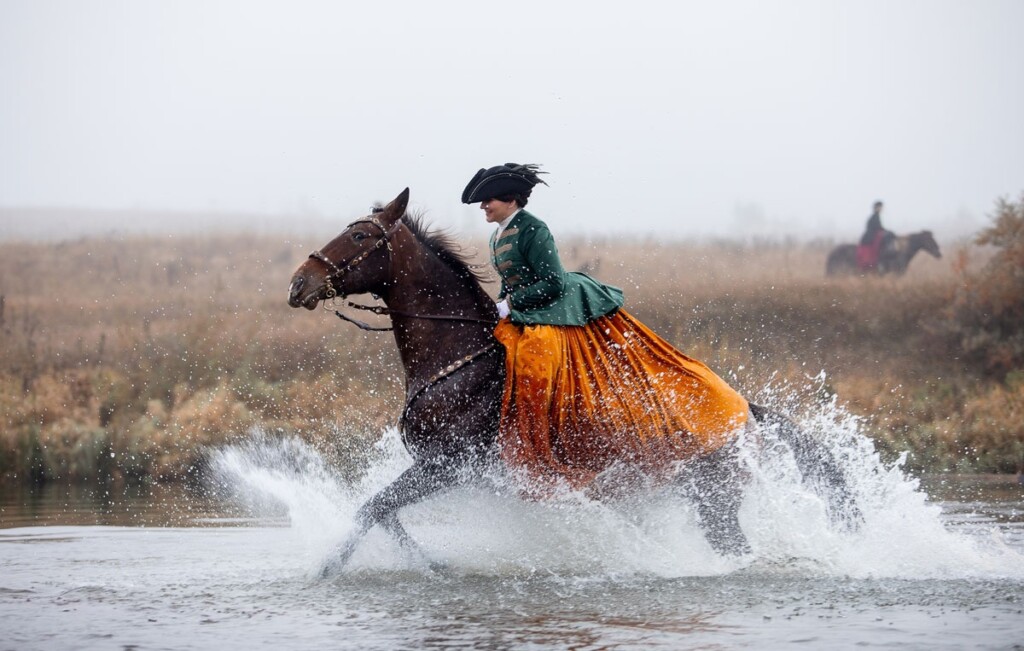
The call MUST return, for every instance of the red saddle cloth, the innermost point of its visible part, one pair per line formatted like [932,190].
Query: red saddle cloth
[867,254]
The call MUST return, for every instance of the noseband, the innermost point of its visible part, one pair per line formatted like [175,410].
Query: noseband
[336,271]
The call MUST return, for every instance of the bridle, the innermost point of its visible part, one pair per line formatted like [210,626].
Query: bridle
[337,270]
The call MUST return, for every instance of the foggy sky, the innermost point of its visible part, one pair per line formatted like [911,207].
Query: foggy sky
[682,118]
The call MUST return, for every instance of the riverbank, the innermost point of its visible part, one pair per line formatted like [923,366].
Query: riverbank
[126,357]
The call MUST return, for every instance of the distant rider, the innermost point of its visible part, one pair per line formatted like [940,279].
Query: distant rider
[875,241]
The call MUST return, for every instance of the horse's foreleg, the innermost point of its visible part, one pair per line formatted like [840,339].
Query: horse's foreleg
[421,479]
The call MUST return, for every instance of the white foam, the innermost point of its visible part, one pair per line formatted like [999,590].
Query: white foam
[487,528]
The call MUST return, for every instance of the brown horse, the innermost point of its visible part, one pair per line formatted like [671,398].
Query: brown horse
[443,322]
[894,259]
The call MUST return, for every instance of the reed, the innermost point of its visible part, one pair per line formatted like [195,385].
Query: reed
[126,357]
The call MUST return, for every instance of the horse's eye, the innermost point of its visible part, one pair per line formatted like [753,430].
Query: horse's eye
[358,237]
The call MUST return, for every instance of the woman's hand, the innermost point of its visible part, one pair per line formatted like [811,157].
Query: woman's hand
[503,309]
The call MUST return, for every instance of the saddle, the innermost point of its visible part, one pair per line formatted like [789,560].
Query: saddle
[868,254]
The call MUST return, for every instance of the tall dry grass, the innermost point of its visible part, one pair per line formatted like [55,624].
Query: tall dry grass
[125,357]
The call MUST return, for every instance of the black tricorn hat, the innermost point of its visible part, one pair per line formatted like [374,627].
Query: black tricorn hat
[509,178]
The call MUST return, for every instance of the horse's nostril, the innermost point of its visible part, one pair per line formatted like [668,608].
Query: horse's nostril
[294,290]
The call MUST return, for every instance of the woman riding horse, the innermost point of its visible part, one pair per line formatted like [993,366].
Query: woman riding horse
[576,393]
[587,385]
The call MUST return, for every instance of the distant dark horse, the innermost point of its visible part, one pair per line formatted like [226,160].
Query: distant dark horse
[443,322]
[895,259]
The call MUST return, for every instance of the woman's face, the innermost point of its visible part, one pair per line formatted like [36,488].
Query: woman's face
[495,210]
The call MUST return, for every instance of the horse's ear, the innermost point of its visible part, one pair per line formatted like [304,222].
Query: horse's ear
[396,209]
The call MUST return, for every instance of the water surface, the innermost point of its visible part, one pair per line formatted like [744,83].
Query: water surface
[937,565]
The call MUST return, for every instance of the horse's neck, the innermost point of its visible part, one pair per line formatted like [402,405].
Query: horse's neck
[905,248]
[914,244]
[423,284]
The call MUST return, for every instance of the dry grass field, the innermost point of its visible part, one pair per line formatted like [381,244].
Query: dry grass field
[123,357]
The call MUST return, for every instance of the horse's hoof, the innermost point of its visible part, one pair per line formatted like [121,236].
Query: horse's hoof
[437,567]
[330,567]
[336,561]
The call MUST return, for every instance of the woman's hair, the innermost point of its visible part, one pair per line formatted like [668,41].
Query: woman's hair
[513,196]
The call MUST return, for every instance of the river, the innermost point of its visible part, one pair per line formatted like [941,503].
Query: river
[936,564]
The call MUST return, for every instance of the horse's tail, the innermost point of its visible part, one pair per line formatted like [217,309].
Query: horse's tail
[818,467]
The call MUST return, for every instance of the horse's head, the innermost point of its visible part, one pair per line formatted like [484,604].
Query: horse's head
[355,262]
[928,244]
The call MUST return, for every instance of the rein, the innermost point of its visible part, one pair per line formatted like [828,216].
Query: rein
[386,311]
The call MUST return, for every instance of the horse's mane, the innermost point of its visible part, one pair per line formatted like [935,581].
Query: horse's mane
[443,245]
[918,236]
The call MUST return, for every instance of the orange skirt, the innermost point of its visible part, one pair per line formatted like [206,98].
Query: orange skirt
[578,399]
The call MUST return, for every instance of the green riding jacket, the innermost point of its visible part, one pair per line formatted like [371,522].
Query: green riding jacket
[539,290]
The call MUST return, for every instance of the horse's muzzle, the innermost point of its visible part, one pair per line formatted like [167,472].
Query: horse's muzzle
[298,298]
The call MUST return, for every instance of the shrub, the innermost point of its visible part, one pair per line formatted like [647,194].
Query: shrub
[987,312]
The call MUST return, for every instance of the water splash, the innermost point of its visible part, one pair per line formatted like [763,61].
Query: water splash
[486,528]
[902,534]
